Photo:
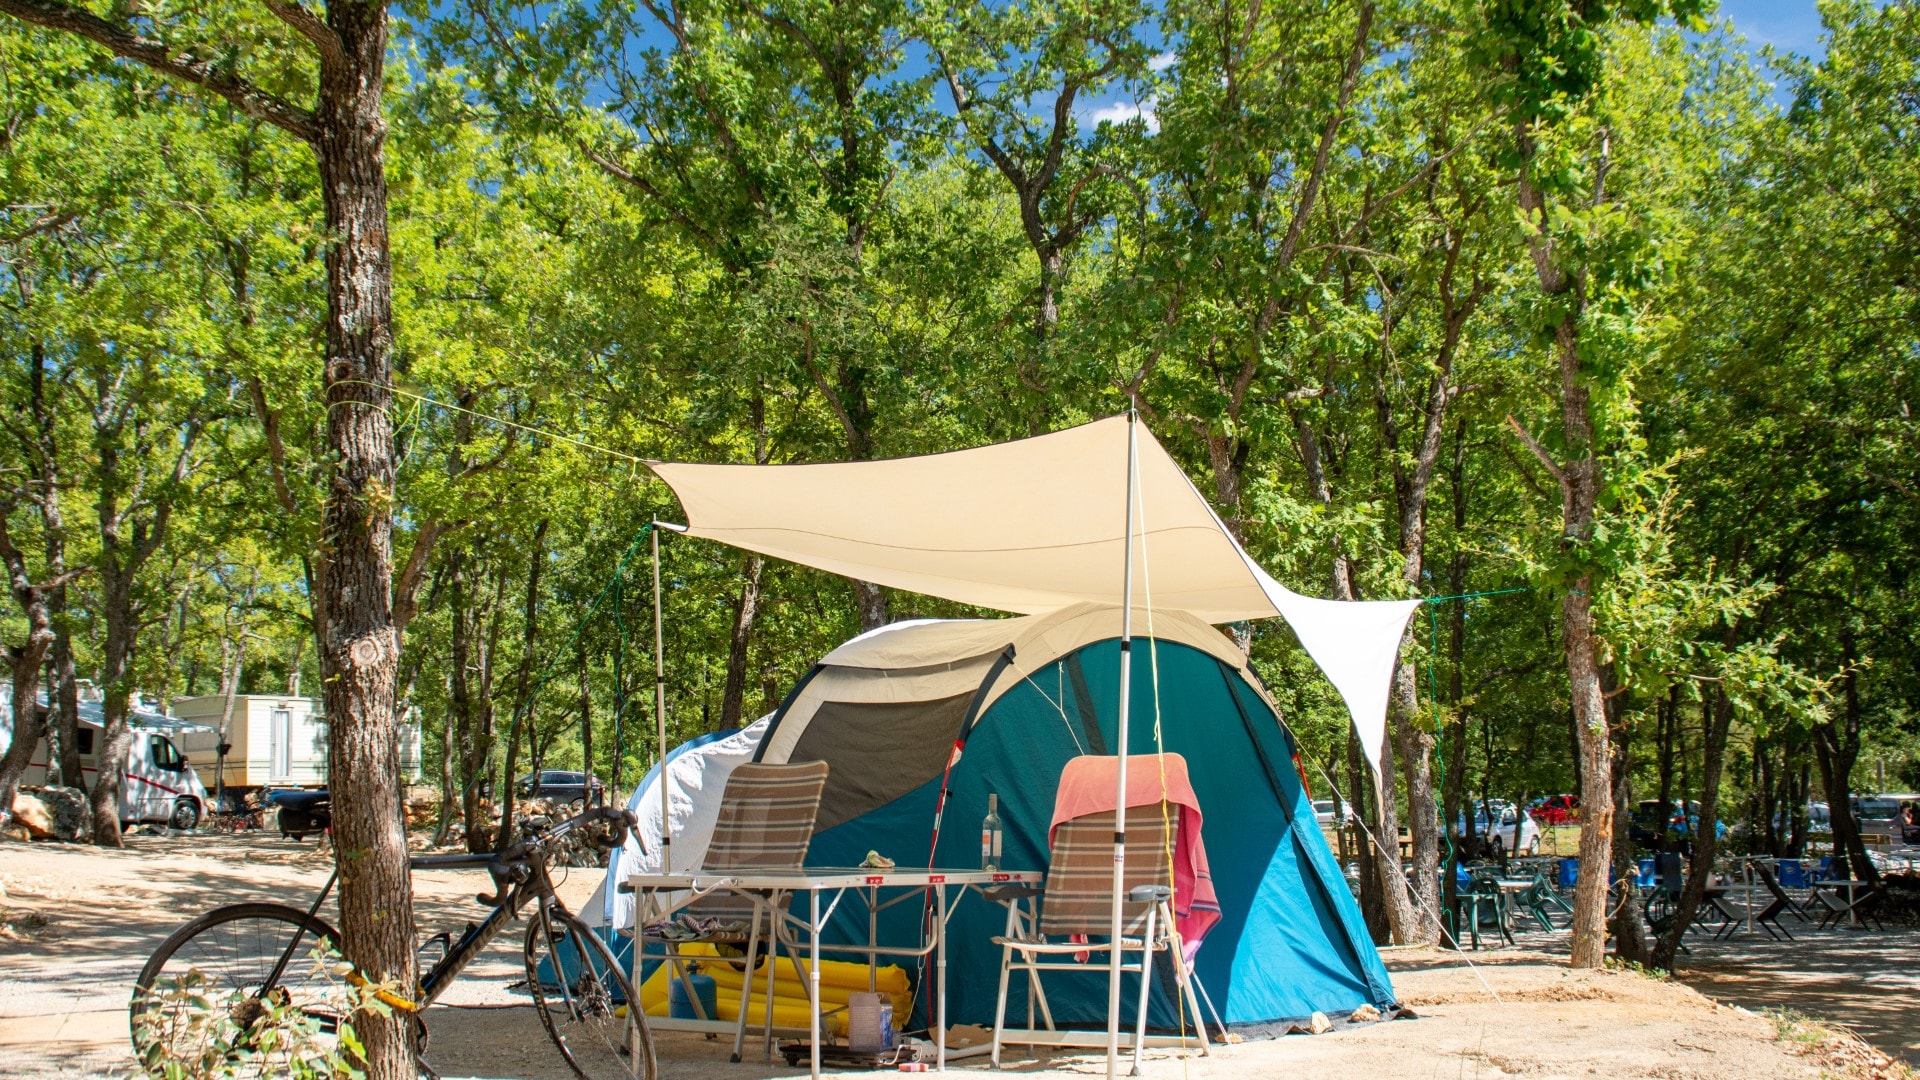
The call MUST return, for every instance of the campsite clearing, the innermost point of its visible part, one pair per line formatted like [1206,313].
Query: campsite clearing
[63,1002]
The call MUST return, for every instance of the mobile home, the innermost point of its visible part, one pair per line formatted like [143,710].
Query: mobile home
[275,740]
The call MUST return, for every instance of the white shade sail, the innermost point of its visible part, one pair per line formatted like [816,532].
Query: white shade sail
[1034,525]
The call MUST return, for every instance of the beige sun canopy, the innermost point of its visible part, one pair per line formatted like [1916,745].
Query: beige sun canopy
[1032,526]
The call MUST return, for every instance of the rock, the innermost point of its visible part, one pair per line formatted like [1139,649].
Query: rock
[32,815]
[14,831]
[1365,1014]
[71,812]
[1319,1024]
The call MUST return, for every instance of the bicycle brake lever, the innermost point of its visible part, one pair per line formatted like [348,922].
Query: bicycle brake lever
[507,874]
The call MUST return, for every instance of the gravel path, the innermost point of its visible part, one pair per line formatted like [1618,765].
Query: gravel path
[1515,1011]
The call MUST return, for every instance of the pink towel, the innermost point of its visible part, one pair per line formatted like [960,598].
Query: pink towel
[1086,787]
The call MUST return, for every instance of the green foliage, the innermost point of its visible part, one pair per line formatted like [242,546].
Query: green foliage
[189,1029]
[797,231]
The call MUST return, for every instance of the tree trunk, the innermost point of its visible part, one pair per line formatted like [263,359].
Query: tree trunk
[1717,719]
[872,601]
[745,610]
[65,716]
[1414,746]
[460,701]
[1668,714]
[1629,930]
[523,685]
[361,655]
[1373,907]
[1596,795]
[24,661]
[586,723]
[1836,749]
[116,659]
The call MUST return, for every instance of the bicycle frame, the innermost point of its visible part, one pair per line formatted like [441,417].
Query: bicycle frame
[462,952]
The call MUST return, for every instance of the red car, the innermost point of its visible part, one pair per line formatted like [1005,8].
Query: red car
[1558,810]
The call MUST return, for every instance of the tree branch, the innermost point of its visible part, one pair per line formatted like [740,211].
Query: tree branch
[1553,467]
[296,15]
[124,42]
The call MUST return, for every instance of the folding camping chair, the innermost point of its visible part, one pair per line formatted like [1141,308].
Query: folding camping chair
[1769,917]
[1077,900]
[766,819]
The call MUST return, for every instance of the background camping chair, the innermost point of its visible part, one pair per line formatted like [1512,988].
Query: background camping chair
[1477,901]
[766,819]
[1836,911]
[1077,900]
[1769,916]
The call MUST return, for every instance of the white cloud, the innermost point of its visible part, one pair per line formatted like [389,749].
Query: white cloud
[1120,112]
[1162,62]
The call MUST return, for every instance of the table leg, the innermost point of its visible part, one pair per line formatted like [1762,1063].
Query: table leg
[940,976]
[813,977]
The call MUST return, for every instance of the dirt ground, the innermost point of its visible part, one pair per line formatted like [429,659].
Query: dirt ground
[77,923]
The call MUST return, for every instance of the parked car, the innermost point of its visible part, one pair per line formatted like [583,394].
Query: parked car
[1557,810]
[560,786]
[1646,829]
[1819,820]
[1323,812]
[1878,813]
[1515,832]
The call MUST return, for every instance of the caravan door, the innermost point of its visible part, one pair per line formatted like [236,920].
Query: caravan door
[280,745]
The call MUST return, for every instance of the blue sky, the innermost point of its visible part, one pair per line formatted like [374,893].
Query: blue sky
[1788,25]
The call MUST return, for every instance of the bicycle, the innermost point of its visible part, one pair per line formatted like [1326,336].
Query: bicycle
[580,992]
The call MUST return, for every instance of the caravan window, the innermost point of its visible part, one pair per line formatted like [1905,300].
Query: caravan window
[84,743]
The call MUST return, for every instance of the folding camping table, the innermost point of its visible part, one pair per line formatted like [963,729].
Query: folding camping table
[772,890]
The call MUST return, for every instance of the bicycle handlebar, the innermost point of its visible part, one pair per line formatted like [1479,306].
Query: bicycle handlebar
[511,867]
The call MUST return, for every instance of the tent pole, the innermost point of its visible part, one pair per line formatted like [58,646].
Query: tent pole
[1120,777]
[660,709]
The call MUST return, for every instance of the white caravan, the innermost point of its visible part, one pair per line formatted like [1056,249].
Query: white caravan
[273,741]
[158,786]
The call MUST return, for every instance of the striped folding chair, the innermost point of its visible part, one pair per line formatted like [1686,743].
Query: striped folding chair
[1076,902]
[766,819]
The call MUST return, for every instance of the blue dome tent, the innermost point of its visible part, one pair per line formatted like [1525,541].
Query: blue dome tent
[1019,698]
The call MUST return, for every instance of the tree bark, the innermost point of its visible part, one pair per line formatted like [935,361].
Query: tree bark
[1373,907]
[460,700]
[523,684]
[23,661]
[1717,718]
[360,658]
[586,721]
[1836,748]
[1629,930]
[1579,477]
[745,610]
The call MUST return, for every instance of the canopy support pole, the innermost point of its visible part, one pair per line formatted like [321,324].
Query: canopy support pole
[1120,782]
[660,706]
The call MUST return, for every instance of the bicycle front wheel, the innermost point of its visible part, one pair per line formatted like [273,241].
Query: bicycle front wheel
[210,989]
[585,1001]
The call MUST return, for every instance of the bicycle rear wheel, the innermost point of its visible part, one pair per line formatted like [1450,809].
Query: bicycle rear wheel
[585,1001]
[218,969]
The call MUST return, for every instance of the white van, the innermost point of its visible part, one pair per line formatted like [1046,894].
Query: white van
[159,785]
